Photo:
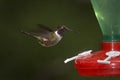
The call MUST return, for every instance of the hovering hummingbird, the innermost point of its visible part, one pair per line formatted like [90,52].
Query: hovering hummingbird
[48,37]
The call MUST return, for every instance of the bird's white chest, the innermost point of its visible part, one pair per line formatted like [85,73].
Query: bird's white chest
[59,37]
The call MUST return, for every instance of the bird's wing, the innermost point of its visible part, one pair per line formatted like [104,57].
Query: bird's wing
[42,31]
[44,28]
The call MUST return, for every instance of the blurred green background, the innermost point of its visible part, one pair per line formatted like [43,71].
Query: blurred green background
[22,58]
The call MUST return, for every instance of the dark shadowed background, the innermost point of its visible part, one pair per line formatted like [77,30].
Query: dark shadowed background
[22,58]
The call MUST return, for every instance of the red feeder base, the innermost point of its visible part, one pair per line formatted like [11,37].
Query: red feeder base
[88,65]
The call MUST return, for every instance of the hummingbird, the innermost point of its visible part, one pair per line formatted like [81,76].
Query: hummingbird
[48,37]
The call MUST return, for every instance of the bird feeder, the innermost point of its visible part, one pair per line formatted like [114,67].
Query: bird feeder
[105,62]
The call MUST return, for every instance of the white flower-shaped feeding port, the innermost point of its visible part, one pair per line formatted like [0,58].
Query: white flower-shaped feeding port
[85,53]
[110,54]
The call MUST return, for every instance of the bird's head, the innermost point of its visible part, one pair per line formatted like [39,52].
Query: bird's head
[62,29]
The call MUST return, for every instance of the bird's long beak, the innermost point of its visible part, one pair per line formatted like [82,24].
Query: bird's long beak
[69,29]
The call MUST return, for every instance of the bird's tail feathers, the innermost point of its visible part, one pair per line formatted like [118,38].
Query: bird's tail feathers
[32,35]
[27,33]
